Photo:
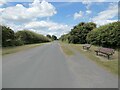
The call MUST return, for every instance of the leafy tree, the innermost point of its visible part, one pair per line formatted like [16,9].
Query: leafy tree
[106,36]
[65,37]
[54,37]
[49,36]
[7,36]
[79,32]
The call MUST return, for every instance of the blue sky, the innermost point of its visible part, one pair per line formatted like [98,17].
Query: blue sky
[56,17]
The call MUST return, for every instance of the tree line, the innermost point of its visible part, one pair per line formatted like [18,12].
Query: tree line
[11,38]
[105,36]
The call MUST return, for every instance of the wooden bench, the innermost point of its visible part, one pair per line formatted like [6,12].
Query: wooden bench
[106,51]
[87,46]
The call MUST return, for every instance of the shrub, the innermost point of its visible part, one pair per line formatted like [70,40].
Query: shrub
[18,43]
[79,33]
[29,37]
[7,36]
[106,36]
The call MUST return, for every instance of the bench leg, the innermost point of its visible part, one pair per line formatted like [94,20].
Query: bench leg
[87,48]
[97,53]
[108,56]
[83,47]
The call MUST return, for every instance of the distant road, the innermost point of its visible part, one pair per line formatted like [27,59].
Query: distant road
[47,67]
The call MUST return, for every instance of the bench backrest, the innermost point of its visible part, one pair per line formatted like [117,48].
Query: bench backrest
[87,45]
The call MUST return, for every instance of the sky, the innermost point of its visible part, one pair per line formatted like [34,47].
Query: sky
[55,18]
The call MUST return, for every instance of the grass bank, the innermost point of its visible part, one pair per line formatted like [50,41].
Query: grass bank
[66,50]
[9,50]
[111,65]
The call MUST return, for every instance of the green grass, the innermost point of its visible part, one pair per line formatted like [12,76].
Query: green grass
[9,50]
[110,65]
[66,50]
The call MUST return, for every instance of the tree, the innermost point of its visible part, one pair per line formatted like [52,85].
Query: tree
[65,37]
[79,32]
[54,37]
[106,36]
[7,36]
[49,36]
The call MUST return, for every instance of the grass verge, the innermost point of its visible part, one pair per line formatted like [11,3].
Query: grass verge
[110,65]
[66,50]
[9,50]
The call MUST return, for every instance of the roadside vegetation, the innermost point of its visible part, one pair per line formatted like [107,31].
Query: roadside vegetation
[23,37]
[52,38]
[111,65]
[66,50]
[9,50]
[78,34]
[104,36]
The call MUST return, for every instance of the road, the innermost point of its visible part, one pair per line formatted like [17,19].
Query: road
[47,67]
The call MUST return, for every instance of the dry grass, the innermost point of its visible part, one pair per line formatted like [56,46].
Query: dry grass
[66,50]
[9,50]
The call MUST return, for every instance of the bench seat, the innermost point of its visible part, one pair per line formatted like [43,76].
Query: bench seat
[86,46]
[105,51]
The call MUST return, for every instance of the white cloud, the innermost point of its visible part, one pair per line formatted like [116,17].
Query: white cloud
[1,10]
[105,16]
[103,22]
[42,27]
[86,1]
[2,2]
[88,11]
[43,9]
[20,17]
[81,14]
[111,12]
[48,27]
[88,4]
[78,15]
[19,13]
[90,1]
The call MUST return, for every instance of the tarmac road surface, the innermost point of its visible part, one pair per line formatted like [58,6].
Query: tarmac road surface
[47,67]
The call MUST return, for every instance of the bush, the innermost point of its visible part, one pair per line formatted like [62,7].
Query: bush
[54,37]
[64,38]
[79,33]
[7,36]
[106,36]
[29,37]
[18,43]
